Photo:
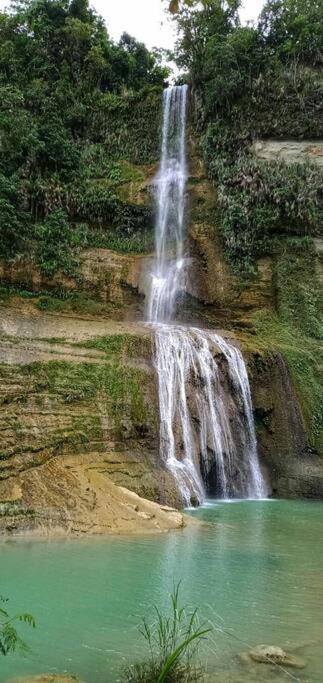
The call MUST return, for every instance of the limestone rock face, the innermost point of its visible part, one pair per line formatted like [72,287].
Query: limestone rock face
[77,424]
[105,274]
[295,471]
[291,151]
[76,495]
[214,284]
[80,427]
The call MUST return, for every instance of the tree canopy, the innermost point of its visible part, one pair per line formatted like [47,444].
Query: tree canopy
[294,29]
[216,50]
[60,75]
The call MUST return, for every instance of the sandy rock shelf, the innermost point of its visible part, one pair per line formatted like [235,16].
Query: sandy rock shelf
[74,497]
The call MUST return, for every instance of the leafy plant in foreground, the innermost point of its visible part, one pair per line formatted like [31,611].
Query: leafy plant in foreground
[10,640]
[173,642]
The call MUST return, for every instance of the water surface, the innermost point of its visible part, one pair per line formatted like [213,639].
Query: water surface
[255,571]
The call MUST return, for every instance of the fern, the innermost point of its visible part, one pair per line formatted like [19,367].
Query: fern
[10,641]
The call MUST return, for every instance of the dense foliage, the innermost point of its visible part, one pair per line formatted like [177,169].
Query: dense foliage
[256,82]
[70,104]
[234,67]
[252,82]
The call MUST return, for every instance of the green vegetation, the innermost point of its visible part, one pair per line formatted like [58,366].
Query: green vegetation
[304,358]
[57,246]
[138,243]
[119,345]
[261,201]
[10,641]
[173,641]
[121,390]
[60,302]
[297,286]
[77,114]
[7,291]
[253,82]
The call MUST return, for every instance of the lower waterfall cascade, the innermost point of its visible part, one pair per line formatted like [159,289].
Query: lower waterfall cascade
[193,402]
[207,432]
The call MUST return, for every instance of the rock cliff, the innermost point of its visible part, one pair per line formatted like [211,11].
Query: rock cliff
[78,401]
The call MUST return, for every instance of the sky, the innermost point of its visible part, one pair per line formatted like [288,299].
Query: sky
[147,20]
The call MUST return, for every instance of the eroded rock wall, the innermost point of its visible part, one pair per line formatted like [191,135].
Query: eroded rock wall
[294,467]
[79,418]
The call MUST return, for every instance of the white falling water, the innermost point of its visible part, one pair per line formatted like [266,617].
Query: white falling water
[168,272]
[207,430]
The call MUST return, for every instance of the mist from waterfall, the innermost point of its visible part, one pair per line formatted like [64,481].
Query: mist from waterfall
[207,434]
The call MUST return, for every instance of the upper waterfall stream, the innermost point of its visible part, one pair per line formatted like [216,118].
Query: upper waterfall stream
[207,434]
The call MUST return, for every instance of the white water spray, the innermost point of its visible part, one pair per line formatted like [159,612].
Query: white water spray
[207,434]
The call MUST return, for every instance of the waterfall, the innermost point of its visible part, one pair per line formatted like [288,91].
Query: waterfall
[168,271]
[207,434]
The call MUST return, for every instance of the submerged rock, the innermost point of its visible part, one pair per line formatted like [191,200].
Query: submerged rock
[271,654]
[48,678]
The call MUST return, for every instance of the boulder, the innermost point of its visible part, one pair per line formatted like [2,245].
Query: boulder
[271,654]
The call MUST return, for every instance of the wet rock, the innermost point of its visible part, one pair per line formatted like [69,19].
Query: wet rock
[271,654]
[290,151]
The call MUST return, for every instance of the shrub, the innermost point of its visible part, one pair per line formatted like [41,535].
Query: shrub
[297,285]
[260,200]
[58,245]
[14,222]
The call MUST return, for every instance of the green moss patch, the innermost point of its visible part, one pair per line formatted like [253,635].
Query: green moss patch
[121,388]
[304,358]
[297,285]
[71,405]
[120,345]
[77,303]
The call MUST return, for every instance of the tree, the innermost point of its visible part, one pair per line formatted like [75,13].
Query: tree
[143,66]
[175,6]
[294,29]
[57,65]
[200,30]
[58,244]
[13,220]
